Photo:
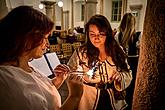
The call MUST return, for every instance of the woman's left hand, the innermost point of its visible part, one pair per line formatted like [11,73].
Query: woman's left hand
[115,76]
[61,70]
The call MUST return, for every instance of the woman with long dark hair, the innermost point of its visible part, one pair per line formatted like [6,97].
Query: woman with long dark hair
[106,73]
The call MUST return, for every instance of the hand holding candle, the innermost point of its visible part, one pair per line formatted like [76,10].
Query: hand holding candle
[61,71]
[115,76]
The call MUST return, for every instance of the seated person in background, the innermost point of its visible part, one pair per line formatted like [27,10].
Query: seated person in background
[53,38]
[71,36]
[79,30]
[24,36]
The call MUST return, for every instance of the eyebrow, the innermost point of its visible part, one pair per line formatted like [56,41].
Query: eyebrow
[99,32]
[92,31]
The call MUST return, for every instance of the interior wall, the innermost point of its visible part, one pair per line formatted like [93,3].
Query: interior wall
[3,8]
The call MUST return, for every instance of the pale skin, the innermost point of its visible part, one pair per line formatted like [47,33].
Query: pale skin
[74,82]
[98,40]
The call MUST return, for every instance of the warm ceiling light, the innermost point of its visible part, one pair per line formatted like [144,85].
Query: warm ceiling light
[60,4]
[41,6]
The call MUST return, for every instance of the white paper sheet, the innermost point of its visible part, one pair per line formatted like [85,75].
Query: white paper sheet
[41,65]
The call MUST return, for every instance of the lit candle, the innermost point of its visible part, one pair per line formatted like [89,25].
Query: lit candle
[90,73]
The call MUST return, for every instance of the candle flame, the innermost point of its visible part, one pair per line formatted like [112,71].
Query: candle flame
[90,73]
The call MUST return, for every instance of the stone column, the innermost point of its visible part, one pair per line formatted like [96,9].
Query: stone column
[5,7]
[124,7]
[50,9]
[72,14]
[101,6]
[66,19]
[62,19]
[90,9]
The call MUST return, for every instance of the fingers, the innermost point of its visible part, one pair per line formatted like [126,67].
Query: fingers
[116,76]
[75,77]
[62,69]
[71,76]
[66,67]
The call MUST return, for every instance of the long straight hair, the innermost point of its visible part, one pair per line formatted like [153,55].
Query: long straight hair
[127,29]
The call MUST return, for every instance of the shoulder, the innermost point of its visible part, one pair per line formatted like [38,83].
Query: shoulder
[10,71]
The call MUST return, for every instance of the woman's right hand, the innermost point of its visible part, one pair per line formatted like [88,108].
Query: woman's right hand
[75,85]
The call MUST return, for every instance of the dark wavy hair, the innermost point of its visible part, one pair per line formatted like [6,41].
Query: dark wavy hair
[22,30]
[111,46]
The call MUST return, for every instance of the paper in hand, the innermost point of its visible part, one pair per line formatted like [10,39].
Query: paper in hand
[41,64]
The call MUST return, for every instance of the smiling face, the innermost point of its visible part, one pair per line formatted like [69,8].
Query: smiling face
[97,38]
